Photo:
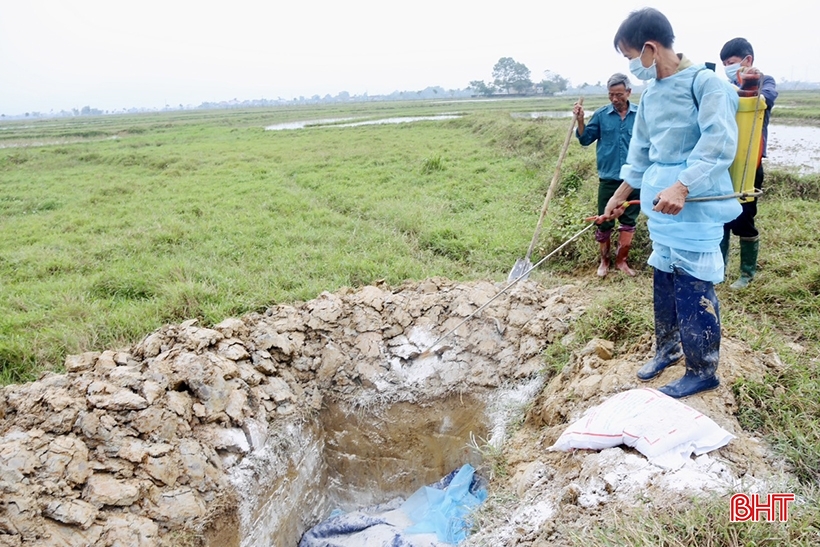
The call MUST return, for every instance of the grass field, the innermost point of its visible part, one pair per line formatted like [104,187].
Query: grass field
[113,226]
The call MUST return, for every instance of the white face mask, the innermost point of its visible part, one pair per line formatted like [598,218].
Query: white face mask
[731,71]
[641,72]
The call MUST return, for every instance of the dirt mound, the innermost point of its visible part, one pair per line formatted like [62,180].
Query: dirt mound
[131,447]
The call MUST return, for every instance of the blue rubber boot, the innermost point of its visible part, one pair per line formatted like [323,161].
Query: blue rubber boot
[699,325]
[667,334]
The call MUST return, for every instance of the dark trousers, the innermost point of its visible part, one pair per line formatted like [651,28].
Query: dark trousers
[744,224]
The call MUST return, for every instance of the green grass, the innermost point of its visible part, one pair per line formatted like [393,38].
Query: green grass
[207,215]
[797,107]
[113,226]
[706,523]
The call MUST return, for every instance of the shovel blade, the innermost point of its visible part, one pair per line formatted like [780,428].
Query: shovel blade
[521,266]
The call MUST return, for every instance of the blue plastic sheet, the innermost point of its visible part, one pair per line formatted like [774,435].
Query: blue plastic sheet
[365,527]
[441,508]
[444,510]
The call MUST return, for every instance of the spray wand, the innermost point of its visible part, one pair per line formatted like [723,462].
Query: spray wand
[429,351]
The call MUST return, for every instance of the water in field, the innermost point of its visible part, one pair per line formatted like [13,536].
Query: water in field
[334,122]
[543,114]
[305,123]
[795,147]
[404,119]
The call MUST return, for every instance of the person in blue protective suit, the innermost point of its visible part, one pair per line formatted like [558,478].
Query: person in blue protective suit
[683,142]
[611,126]
[738,57]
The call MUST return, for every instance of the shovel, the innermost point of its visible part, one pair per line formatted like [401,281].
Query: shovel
[523,266]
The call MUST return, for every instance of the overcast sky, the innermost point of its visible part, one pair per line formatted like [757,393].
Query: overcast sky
[114,54]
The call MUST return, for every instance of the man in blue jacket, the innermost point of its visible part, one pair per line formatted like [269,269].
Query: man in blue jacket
[683,142]
[611,126]
[738,56]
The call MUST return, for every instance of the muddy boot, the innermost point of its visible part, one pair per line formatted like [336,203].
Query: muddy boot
[724,249]
[667,336]
[603,239]
[749,247]
[699,326]
[624,244]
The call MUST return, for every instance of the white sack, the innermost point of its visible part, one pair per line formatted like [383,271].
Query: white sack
[661,428]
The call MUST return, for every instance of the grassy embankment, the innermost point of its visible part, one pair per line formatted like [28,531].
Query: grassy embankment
[118,225]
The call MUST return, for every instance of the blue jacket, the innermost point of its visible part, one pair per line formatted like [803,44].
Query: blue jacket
[613,135]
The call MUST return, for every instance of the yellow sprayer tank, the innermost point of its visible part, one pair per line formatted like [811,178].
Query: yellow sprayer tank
[749,118]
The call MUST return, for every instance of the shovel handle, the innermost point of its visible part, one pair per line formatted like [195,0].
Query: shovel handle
[553,183]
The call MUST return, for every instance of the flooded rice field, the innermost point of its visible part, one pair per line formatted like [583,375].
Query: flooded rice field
[794,147]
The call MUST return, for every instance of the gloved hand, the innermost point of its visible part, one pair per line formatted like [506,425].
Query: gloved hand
[749,79]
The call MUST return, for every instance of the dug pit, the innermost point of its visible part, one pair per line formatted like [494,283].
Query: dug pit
[349,458]
[252,431]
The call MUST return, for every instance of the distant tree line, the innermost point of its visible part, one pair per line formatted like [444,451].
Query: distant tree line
[513,78]
[432,92]
[510,78]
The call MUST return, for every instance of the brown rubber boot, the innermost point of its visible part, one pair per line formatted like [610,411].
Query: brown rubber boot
[624,244]
[603,268]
